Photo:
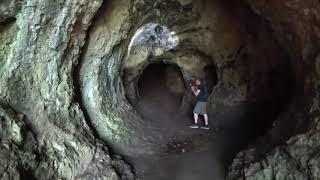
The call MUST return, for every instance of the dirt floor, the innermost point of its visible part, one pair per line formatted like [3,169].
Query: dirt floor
[189,154]
[186,154]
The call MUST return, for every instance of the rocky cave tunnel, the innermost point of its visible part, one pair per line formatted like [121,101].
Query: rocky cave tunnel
[161,86]
[100,89]
[164,86]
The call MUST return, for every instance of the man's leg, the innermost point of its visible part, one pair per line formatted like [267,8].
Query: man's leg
[206,121]
[195,118]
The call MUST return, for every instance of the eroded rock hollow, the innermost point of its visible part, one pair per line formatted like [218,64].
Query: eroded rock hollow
[100,89]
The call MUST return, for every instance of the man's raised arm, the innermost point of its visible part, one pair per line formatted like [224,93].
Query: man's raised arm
[195,91]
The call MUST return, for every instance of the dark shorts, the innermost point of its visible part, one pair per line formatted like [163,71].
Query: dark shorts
[200,108]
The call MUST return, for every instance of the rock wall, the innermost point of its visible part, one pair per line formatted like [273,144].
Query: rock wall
[295,24]
[296,29]
[44,134]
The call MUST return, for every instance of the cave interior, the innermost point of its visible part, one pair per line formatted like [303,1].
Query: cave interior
[113,77]
[241,64]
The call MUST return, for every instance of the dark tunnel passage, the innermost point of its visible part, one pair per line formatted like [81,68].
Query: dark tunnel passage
[161,88]
[210,78]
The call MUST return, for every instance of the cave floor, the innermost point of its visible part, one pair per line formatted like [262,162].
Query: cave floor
[191,153]
[187,153]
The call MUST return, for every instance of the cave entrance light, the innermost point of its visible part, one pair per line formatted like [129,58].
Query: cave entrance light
[153,34]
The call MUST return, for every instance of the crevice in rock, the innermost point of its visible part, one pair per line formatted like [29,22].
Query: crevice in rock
[26,174]
[77,97]
[210,77]
[7,22]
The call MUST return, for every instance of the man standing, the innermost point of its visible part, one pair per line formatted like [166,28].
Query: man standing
[201,107]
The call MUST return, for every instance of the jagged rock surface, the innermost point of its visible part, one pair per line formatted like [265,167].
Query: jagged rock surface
[44,134]
[296,26]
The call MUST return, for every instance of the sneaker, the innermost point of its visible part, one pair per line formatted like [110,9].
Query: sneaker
[194,126]
[206,127]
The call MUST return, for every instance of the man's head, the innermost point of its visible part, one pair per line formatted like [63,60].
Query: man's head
[198,82]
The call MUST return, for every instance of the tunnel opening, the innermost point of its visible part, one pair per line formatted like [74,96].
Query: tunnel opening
[161,88]
[210,77]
